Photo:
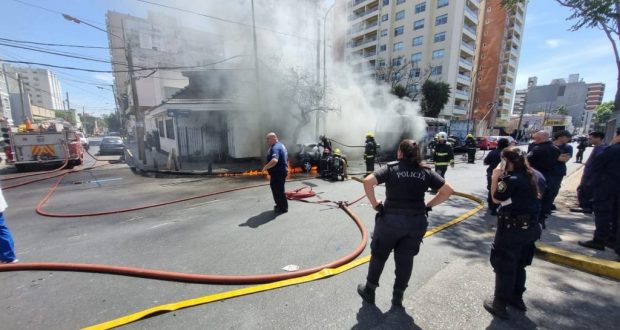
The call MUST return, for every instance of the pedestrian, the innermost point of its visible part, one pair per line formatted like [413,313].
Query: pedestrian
[443,154]
[470,143]
[492,160]
[7,247]
[581,148]
[605,195]
[517,229]
[560,140]
[542,155]
[401,221]
[370,152]
[277,166]
[584,190]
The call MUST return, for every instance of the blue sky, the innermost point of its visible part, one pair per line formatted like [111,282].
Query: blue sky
[549,50]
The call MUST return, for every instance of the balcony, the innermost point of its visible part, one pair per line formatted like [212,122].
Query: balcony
[470,49]
[355,2]
[472,15]
[371,53]
[461,94]
[475,3]
[463,79]
[471,30]
[459,109]
[372,25]
[467,64]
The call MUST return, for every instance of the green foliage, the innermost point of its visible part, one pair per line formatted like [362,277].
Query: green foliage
[602,114]
[88,123]
[112,121]
[561,110]
[400,91]
[435,95]
[68,116]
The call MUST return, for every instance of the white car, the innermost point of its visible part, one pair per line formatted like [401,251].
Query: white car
[83,140]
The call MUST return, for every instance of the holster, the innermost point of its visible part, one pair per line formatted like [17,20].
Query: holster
[522,221]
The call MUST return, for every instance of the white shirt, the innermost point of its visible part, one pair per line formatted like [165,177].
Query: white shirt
[3,204]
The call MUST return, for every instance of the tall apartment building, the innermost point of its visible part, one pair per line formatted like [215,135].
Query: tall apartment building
[41,85]
[521,96]
[156,41]
[594,97]
[436,35]
[5,97]
[499,48]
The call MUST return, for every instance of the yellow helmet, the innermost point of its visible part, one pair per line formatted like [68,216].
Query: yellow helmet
[470,136]
[370,135]
[337,152]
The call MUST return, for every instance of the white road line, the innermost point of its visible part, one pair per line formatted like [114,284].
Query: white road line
[161,225]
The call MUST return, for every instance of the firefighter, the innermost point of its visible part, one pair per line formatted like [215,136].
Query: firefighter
[470,144]
[443,155]
[370,152]
[339,166]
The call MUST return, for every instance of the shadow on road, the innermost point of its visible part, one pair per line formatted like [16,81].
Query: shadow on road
[517,321]
[370,317]
[260,219]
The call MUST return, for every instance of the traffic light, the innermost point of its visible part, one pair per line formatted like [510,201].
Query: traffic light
[5,135]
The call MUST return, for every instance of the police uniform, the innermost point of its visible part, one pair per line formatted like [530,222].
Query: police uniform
[543,157]
[402,223]
[517,230]
[370,151]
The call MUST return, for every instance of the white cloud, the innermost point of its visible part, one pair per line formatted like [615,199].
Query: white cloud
[104,77]
[554,43]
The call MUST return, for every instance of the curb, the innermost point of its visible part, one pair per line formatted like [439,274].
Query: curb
[596,266]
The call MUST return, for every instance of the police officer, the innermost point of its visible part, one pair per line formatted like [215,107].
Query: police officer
[605,197]
[470,144]
[543,156]
[370,152]
[401,222]
[277,166]
[443,155]
[516,186]
[493,159]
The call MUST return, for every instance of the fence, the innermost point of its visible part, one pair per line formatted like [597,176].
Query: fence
[198,144]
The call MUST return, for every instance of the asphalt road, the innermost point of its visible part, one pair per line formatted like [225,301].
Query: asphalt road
[236,233]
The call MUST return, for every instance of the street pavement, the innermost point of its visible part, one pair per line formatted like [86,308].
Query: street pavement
[237,233]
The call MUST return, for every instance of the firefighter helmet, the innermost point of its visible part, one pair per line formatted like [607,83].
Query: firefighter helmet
[370,135]
[470,136]
[337,152]
[442,136]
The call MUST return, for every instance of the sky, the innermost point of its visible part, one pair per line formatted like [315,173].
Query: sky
[549,50]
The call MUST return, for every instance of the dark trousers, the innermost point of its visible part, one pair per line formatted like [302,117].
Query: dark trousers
[441,170]
[554,182]
[277,189]
[513,250]
[584,196]
[400,233]
[579,156]
[370,165]
[471,155]
[548,195]
[606,217]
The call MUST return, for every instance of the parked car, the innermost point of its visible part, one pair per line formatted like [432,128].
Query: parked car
[114,134]
[111,145]
[83,140]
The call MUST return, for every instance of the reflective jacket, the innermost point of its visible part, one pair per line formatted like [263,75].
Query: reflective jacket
[443,154]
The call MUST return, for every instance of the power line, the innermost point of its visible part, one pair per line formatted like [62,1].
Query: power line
[226,20]
[57,45]
[59,54]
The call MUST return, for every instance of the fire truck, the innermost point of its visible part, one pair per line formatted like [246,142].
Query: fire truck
[48,144]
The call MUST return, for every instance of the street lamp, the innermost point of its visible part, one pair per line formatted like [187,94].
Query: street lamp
[324,65]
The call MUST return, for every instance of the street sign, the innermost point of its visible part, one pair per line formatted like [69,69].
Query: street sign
[178,113]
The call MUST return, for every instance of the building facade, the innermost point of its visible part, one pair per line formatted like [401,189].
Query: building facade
[5,97]
[41,85]
[571,94]
[499,48]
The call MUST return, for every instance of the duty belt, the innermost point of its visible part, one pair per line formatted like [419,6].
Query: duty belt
[522,221]
[404,211]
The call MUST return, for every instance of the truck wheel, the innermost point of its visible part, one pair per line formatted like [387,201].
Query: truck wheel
[307,166]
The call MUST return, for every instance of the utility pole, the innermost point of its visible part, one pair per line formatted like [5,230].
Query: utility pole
[325,62]
[519,135]
[21,95]
[256,71]
[120,120]
[68,104]
[136,107]
[318,72]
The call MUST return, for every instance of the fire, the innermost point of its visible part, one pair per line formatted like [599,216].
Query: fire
[246,173]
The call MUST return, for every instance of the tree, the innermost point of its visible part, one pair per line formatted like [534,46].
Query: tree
[435,95]
[602,115]
[561,110]
[68,116]
[88,122]
[405,77]
[112,121]
[602,14]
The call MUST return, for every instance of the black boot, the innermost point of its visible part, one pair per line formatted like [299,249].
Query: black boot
[367,292]
[496,307]
[397,298]
[518,303]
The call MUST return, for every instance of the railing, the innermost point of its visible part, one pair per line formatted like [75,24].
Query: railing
[355,2]
[470,29]
[459,107]
[371,25]
[476,2]
[461,92]
[467,62]
[472,13]
[470,47]
[464,77]
[370,54]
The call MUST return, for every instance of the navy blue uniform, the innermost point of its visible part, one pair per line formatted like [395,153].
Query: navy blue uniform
[584,191]
[278,175]
[370,151]
[517,230]
[402,224]
[492,160]
[543,157]
[606,192]
[555,176]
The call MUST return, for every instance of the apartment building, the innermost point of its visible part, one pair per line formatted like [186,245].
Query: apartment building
[594,97]
[41,85]
[437,35]
[5,97]
[499,48]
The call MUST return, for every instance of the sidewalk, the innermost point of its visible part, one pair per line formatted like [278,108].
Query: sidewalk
[564,229]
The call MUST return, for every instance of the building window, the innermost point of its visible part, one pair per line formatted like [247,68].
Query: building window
[439,37]
[384,33]
[443,19]
[414,73]
[384,18]
[398,2]
[170,128]
[397,61]
[382,48]
[436,70]
[381,63]
[398,46]
[420,8]
[400,15]
[160,127]
[386,2]
[417,57]
[399,30]
[417,41]
[442,3]
[418,24]
[437,54]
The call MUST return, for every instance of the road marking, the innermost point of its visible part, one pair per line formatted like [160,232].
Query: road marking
[134,218]
[161,225]
[104,180]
